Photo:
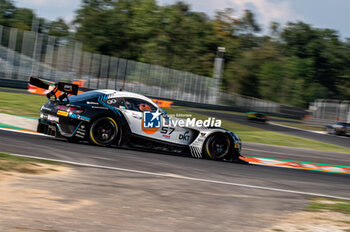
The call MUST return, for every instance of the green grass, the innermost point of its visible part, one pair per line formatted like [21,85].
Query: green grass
[302,126]
[326,204]
[21,164]
[256,135]
[21,104]
[21,90]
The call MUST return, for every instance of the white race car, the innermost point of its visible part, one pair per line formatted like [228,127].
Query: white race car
[110,117]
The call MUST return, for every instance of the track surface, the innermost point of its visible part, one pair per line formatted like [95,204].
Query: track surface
[242,119]
[270,177]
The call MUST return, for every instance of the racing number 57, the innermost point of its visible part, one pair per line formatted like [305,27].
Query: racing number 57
[167,130]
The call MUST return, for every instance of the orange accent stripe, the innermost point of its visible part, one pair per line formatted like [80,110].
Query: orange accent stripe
[297,165]
[22,130]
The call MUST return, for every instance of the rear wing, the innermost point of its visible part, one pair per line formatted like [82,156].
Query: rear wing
[64,88]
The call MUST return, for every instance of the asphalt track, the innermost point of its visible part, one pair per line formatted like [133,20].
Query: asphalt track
[262,176]
[242,119]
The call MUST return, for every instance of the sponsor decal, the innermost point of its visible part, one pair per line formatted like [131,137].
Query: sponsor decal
[92,103]
[111,101]
[62,113]
[166,136]
[68,88]
[73,115]
[99,107]
[81,131]
[193,122]
[185,136]
[45,108]
[80,117]
[151,121]
[52,118]
[84,118]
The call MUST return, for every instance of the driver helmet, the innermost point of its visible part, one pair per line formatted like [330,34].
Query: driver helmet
[144,107]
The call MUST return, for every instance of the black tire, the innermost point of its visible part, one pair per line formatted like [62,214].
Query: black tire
[217,147]
[104,131]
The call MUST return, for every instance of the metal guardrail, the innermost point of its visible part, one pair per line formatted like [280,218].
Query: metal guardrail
[327,111]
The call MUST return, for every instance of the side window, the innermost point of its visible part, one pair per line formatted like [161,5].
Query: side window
[139,105]
[116,102]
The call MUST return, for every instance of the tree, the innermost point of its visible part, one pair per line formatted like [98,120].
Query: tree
[22,18]
[323,47]
[94,26]
[7,10]
[58,28]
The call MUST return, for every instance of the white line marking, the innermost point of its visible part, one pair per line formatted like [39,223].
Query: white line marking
[317,132]
[294,148]
[291,127]
[176,176]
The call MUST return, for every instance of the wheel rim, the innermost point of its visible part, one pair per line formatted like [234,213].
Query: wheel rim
[104,131]
[218,146]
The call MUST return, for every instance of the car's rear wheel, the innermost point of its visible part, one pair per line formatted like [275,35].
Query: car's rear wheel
[217,146]
[104,131]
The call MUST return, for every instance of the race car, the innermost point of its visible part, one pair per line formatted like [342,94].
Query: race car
[339,128]
[257,116]
[126,119]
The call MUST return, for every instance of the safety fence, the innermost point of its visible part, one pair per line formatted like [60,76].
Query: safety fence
[325,110]
[25,53]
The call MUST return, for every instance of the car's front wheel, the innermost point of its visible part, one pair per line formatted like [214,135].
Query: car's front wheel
[217,147]
[104,131]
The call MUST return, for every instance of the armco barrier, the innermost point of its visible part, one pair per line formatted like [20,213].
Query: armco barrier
[17,84]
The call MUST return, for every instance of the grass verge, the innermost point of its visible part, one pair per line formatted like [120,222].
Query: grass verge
[256,135]
[327,204]
[20,90]
[24,165]
[21,104]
